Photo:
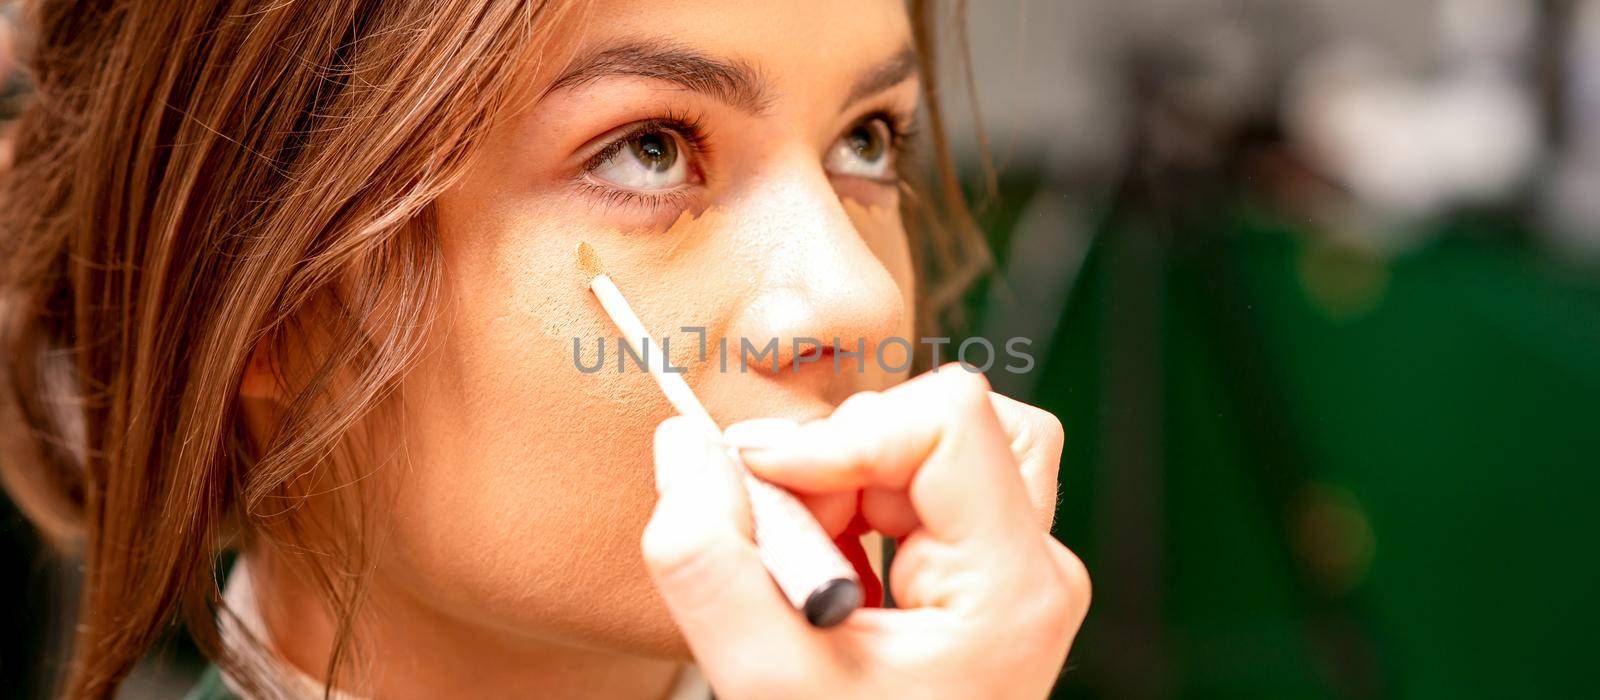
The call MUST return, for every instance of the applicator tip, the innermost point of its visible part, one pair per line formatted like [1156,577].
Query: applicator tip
[589,262]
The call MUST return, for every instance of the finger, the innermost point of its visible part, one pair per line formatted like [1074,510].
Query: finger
[936,438]
[833,510]
[698,549]
[1076,578]
[889,512]
[1036,441]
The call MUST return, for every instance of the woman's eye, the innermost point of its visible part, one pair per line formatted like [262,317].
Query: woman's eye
[865,151]
[646,160]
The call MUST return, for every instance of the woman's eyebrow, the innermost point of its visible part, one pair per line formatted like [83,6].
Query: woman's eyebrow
[883,76]
[731,81]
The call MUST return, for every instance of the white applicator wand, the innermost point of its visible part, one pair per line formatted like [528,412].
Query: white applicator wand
[808,568]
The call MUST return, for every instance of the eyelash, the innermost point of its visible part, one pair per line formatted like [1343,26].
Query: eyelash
[902,128]
[903,135]
[651,201]
[691,129]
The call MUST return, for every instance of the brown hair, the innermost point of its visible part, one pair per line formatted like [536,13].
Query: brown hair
[193,182]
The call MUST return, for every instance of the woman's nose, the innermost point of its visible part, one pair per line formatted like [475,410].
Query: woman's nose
[820,293]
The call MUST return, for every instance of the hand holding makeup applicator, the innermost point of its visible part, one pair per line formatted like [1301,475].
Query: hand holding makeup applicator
[808,568]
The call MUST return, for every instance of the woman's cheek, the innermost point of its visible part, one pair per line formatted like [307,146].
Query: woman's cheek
[527,481]
[520,513]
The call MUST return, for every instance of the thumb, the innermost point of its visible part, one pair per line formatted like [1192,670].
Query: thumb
[699,551]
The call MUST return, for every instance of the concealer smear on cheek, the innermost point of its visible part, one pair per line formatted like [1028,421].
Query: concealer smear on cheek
[704,275]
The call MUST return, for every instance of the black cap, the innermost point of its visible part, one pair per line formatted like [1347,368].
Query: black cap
[832,602]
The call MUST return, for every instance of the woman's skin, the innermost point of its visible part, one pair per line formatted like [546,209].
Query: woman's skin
[513,562]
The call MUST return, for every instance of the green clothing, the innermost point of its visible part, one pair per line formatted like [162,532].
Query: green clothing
[211,687]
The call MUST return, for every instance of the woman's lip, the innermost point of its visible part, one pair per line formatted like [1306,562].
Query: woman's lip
[735,397]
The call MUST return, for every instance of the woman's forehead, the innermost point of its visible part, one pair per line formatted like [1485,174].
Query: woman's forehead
[766,44]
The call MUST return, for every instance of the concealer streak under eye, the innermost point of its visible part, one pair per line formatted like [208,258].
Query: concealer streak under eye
[690,225]
[638,266]
[879,227]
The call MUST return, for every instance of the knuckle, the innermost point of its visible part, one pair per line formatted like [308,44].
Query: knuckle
[1054,611]
[974,384]
[1038,432]
[1076,584]
[1043,609]
[1045,617]
[968,391]
[855,452]
[1036,443]
[1052,435]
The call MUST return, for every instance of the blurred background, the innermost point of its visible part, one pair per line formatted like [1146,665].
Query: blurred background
[1314,286]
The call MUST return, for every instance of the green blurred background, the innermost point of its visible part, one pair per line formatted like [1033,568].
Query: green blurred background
[1301,470]
[1314,286]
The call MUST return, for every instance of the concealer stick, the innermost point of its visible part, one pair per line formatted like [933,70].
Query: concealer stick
[803,561]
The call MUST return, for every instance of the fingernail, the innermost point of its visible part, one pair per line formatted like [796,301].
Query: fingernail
[760,433]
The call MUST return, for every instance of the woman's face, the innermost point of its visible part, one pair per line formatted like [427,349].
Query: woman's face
[732,164]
